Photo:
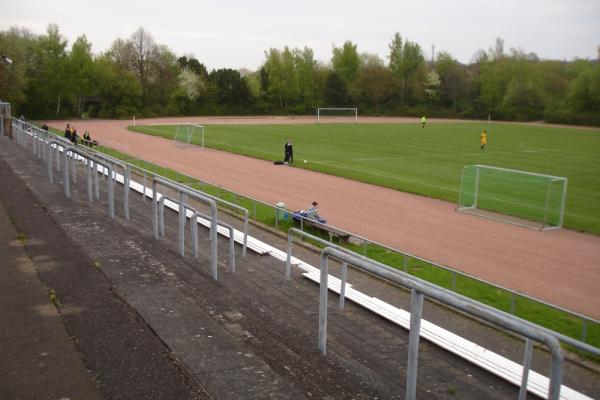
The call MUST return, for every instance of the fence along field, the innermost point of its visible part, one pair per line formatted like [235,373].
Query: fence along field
[427,161]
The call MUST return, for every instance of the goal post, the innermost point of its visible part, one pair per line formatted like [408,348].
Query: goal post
[519,197]
[189,133]
[337,113]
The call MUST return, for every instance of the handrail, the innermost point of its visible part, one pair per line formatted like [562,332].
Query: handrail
[246,217]
[418,291]
[563,338]
[161,212]
[194,228]
[183,190]
[218,199]
[126,179]
[584,319]
[73,150]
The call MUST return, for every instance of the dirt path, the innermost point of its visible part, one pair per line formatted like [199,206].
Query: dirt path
[561,267]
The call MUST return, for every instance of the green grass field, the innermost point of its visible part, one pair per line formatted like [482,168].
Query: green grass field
[426,161]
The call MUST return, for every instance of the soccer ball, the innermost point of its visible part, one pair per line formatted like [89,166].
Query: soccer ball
[305,161]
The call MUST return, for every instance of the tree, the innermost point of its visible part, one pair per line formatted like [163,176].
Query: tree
[16,44]
[375,84]
[185,99]
[117,87]
[335,91]
[583,98]
[48,80]
[229,89]
[453,81]
[346,62]
[79,70]
[194,65]
[144,55]
[407,63]
[282,77]
[308,78]
[163,78]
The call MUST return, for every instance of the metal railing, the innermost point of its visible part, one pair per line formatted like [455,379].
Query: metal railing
[418,292]
[92,163]
[559,336]
[194,227]
[41,139]
[418,287]
[277,211]
[183,193]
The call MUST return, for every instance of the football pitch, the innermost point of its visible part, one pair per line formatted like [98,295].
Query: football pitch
[426,161]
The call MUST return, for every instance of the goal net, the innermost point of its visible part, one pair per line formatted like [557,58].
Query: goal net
[518,197]
[332,114]
[189,134]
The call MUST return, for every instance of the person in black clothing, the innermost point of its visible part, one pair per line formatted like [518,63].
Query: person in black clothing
[45,127]
[289,152]
[74,136]
[87,139]
[68,132]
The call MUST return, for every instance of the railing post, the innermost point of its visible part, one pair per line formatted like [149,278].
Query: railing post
[96,181]
[343,278]
[154,210]
[323,289]
[88,171]
[231,249]
[161,216]
[526,367]
[288,260]
[49,163]
[74,167]
[126,180]
[194,228]
[111,195]
[144,189]
[416,311]
[66,173]
[245,244]
[181,237]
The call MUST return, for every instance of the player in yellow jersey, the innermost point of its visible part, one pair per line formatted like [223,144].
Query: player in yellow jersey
[483,138]
[423,121]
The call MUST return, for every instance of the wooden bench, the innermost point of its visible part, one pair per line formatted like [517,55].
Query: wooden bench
[332,231]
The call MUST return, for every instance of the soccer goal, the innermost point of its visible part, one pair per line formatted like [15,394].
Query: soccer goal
[523,198]
[329,113]
[190,134]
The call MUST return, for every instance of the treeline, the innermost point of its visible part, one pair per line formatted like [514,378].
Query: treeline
[137,76]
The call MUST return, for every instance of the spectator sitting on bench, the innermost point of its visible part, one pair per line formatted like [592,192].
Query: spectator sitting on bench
[311,213]
[87,140]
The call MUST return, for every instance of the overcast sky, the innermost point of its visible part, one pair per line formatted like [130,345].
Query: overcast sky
[235,33]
